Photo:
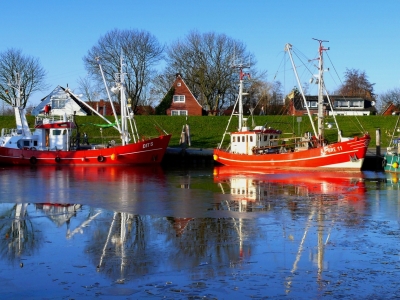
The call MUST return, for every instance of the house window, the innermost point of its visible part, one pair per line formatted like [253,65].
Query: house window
[312,104]
[179,113]
[356,103]
[58,103]
[179,98]
[178,84]
[342,103]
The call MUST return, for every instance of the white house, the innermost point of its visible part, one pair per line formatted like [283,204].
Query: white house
[61,101]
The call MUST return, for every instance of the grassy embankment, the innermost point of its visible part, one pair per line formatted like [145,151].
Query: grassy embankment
[206,132]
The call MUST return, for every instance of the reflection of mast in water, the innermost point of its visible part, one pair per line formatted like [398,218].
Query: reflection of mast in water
[20,236]
[18,228]
[318,203]
[314,192]
[79,229]
[118,239]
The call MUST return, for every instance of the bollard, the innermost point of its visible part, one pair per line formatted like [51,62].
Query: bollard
[378,142]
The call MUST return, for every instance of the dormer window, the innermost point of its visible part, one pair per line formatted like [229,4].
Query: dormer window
[179,98]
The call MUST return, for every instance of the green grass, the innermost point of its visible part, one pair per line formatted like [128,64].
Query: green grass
[206,132]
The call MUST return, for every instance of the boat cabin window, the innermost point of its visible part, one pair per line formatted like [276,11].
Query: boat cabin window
[251,138]
[23,143]
[234,139]
[243,138]
[265,138]
[57,132]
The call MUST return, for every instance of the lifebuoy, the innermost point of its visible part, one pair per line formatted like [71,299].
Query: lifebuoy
[33,160]
[58,159]
[100,158]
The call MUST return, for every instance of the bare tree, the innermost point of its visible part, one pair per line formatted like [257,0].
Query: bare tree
[205,62]
[390,96]
[356,85]
[12,64]
[89,90]
[161,84]
[141,52]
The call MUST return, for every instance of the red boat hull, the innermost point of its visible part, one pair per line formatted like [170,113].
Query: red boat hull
[347,155]
[149,151]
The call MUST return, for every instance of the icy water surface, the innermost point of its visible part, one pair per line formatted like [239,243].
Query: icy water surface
[214,233]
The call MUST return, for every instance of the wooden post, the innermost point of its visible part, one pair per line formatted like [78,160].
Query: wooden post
[378,142]
[187,131]
[183,141]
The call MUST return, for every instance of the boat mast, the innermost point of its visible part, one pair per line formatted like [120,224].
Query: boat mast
[124,134]
[288,48]
[108,94]
[242,75]
[320,90]
[20,116]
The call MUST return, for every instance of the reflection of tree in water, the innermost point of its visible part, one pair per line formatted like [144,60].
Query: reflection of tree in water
[18,234]
[212,242]
[132,245]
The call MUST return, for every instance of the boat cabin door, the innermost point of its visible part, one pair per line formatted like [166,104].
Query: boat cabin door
[58,139]
[47,138]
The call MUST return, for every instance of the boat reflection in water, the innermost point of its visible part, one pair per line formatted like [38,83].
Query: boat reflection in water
[392,181]
[259,189]
[315,199]
[251,217]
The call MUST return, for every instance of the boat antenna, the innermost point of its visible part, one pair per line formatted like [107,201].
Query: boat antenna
[242,75]
[321,87]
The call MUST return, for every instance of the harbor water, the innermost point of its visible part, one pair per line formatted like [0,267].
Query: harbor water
[197,233]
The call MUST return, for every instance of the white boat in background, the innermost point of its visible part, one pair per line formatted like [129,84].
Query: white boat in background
[266,147]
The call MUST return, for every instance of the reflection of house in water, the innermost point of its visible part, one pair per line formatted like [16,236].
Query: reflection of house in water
[179,224]
[59,213]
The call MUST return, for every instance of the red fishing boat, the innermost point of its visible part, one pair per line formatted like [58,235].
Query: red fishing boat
[266,147]
[56,141]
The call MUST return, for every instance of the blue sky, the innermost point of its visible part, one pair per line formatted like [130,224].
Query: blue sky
[362,34]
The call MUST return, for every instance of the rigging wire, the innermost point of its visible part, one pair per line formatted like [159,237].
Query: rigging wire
[358,124]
